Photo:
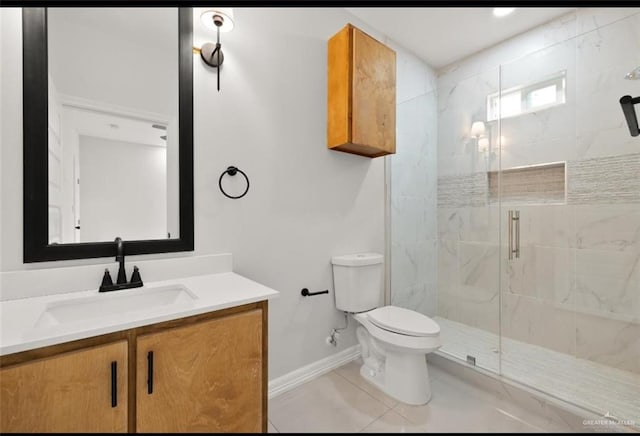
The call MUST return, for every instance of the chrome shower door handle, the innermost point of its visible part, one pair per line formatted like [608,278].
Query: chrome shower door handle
[516,218]
[510,247]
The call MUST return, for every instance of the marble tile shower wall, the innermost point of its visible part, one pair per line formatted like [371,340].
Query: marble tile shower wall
[413,206]
[576,286]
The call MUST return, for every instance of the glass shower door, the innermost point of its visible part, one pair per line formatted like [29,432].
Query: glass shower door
[570,196]
[468,221]
[538,143]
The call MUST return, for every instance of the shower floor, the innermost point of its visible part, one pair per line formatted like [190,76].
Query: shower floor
[587,384]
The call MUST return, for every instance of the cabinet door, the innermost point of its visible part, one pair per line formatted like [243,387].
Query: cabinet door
[203,377]
[71,392]
[374,95]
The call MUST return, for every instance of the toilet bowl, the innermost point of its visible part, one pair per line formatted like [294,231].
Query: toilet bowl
[394,341]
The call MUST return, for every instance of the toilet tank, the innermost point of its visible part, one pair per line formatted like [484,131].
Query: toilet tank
[358,281]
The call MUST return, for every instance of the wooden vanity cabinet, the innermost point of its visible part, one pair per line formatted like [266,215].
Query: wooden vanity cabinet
[361,103]
[69,392]
[204,377]
[203,373]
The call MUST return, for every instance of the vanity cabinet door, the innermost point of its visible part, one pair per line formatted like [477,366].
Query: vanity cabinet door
[202,377]
[78,391]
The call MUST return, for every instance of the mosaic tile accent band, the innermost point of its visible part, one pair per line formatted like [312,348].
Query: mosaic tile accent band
[463,190]
[614,179]
[603,180]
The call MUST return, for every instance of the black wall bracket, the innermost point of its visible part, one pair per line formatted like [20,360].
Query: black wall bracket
[305,292]
[627,102]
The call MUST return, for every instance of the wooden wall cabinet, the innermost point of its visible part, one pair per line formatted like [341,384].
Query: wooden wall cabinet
[361,101]
[207,373]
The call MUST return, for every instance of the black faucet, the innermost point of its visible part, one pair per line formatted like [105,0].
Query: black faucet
[122,274]
[121,283]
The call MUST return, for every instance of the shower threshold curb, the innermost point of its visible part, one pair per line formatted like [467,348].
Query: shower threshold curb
[563,415]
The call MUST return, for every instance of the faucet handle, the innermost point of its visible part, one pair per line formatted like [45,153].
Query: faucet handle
[135,277]
[106,279]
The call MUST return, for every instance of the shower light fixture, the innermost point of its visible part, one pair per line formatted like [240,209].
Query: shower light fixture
[633,75]
[220,20]
[477,129]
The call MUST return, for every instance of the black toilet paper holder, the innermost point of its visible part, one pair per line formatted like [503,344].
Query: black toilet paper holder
[305,292]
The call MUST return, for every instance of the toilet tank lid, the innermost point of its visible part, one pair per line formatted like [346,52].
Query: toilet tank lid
[358,259]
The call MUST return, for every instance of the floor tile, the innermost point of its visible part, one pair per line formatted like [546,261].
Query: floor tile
[500,421]
[338,402]
[450,409]
[392,422]
[351,371]
[327,404]
[457,406]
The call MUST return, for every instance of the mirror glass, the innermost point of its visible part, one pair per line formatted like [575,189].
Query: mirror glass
[113,124]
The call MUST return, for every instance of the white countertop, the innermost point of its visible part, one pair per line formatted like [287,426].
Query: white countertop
[21,326]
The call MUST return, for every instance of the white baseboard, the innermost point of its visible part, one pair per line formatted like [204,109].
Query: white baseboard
[307,373]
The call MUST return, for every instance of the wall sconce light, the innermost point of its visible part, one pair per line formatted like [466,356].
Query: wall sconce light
[220,20]
[477,129]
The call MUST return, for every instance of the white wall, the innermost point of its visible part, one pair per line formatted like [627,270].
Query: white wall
[306,203]
[10,138]
[123,190]
[2,92]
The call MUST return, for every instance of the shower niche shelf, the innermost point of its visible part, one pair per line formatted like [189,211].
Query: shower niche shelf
[531,184]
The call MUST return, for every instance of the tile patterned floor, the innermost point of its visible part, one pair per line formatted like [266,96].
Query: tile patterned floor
[342,401]
[588,384]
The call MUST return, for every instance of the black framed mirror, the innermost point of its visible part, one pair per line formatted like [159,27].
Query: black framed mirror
[89,155]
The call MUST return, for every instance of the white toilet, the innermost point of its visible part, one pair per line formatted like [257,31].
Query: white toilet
[394,341]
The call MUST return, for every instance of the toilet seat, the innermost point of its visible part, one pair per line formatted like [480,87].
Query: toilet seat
[403,321]
[400,341]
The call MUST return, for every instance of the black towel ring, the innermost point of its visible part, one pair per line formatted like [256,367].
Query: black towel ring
[232,171]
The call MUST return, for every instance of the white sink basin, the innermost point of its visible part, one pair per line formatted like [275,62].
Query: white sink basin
[115,303]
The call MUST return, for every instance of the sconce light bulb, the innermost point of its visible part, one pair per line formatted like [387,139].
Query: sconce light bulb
[219,18]
[477,129]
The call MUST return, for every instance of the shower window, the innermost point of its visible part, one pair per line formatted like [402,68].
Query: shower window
[527,98]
